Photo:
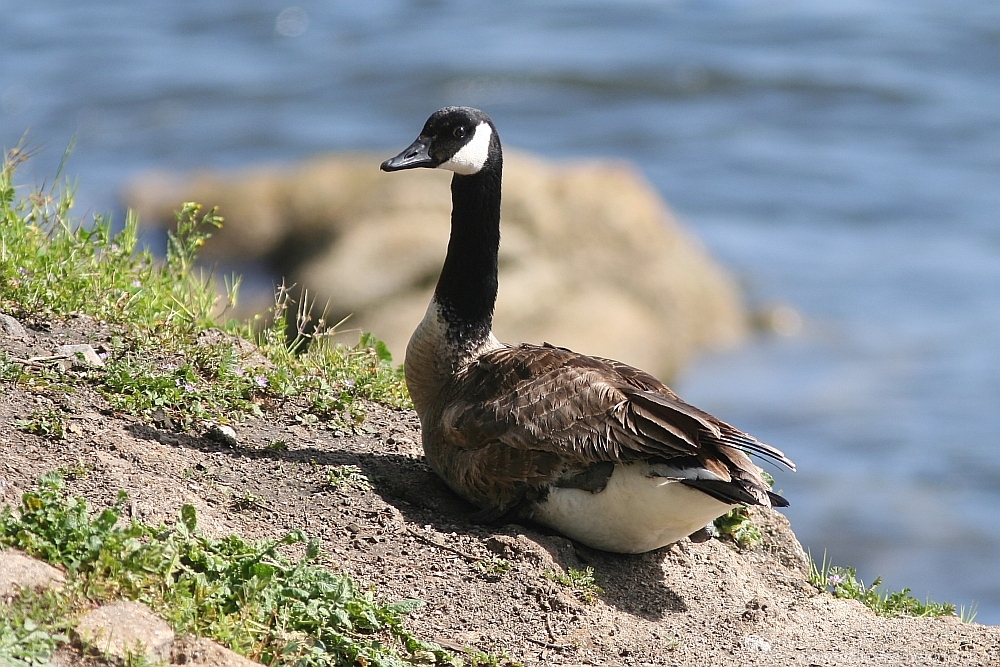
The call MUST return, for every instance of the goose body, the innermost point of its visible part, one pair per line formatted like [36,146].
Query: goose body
[600,451]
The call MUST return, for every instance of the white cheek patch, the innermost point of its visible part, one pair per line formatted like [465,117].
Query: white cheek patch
[472,156]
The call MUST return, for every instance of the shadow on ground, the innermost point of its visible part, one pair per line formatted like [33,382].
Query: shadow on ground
[423,499]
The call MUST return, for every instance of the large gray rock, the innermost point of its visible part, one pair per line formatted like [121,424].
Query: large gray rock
[591,258]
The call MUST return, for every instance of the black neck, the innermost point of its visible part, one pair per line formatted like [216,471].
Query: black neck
[467,288]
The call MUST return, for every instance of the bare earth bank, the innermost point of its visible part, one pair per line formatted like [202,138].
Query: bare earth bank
[406,533]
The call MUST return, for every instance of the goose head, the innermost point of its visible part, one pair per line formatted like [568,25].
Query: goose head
[459,139]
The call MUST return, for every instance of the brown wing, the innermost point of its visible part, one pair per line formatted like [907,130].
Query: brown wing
[716,430]
[537,413]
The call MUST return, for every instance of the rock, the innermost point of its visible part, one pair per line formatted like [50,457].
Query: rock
[125,628]
[81,356]
[20,571]
[11,327]
[591,257]
[755,643]
[162,419]
[198,652]
[222,434]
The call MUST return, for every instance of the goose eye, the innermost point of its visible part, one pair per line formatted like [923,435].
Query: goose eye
[459,132]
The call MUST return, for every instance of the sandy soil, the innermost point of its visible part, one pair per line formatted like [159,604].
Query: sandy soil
[406,533]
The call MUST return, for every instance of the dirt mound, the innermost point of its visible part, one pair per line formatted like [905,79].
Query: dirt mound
[385,518]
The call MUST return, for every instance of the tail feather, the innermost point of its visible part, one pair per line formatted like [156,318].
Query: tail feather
[730,493]
[776,500]
[735,438]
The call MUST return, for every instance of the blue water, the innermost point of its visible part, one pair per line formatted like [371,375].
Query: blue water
[842,157]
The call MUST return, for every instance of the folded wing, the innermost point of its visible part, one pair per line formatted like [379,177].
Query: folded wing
[533,415]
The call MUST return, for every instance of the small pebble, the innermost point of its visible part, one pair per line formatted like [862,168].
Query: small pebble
[11,327]
[755,643]
[81,356]
[223,434]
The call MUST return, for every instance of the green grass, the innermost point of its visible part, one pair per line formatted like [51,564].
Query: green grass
[51,264]
[582,582]
[160,366]
[843,582]
[246,595]
[968,614]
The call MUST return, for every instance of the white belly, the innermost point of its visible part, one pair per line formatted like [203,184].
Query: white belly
[633,514]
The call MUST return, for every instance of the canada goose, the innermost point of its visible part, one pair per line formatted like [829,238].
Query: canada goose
[600,451]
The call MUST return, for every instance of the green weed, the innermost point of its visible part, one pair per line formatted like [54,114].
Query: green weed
[246,595]
[9,371]
[737,525]
[346,475]
[47,423]
[479,659]
[583,583]
[52,265]
[843,582]
[249,500]
[77,470]
[968,614]
[493,567]
[33,626]
[185,392]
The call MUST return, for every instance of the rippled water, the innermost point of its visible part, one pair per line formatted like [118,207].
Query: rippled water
[843,157]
